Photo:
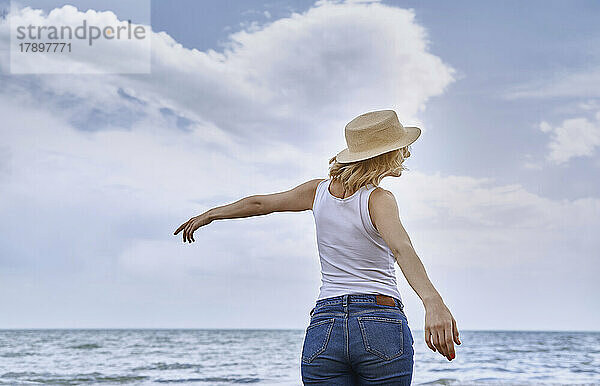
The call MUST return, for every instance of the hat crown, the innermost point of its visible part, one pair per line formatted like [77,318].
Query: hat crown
[373,130]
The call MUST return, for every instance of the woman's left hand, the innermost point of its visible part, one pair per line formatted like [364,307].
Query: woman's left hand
[441,331]
[190,226]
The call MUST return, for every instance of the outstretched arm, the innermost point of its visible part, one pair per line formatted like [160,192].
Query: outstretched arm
[440,325]
[297,199]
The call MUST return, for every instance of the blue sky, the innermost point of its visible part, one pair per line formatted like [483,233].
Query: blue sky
[501,201]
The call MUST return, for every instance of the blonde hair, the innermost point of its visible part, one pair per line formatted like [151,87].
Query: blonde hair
[353,175]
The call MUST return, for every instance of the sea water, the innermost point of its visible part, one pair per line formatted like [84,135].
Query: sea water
[272,357]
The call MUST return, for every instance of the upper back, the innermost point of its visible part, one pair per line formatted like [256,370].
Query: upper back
[354,256]
[345,220]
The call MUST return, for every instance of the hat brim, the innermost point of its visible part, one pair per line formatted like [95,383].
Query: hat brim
[345,156]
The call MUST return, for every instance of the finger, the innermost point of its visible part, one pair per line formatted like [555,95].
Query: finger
[436,342]
[187,233]
[442,342]
[455,332]
[428,339]
[192,230]
[180,228]
[449,342]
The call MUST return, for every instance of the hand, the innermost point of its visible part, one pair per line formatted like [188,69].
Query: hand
[440,327]
[190,226]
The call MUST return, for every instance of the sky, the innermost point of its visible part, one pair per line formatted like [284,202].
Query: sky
[501,199]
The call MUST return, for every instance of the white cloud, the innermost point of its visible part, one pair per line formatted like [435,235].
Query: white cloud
[574,137]
[297,78]
[566,83]
[590,104]
[530,164]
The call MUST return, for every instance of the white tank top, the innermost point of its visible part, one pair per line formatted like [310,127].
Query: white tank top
[354,257]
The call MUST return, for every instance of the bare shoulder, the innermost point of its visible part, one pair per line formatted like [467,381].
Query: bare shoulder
[382,204]
[381,197]
[310,186]
[314,182]
[305,192]
[307,188]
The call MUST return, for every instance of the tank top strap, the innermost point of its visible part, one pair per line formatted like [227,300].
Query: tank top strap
[319,193]
[364,210]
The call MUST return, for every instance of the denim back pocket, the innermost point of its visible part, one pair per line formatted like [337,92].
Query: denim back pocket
[382,336]
[316,339]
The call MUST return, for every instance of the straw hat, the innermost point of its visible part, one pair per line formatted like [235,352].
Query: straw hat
[375,133]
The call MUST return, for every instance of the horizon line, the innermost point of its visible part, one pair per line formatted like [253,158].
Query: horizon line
[246,328]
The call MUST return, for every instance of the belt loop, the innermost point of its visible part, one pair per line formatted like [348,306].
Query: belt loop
[399,303]
[345,300]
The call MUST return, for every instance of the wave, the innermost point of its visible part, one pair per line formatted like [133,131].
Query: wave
[71,379]
[168,366]
[17,354]
[86,346]
[211,379]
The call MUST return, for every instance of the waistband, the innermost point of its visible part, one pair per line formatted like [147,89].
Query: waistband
[361,298]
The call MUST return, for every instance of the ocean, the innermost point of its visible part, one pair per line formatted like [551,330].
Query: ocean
[272,357]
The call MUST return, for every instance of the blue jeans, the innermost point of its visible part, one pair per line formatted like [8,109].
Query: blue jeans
[352,340]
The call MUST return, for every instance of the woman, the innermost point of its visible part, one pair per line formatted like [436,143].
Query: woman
[358,332]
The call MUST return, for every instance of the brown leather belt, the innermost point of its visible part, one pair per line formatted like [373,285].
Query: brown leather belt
[380,299]
[384,300]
